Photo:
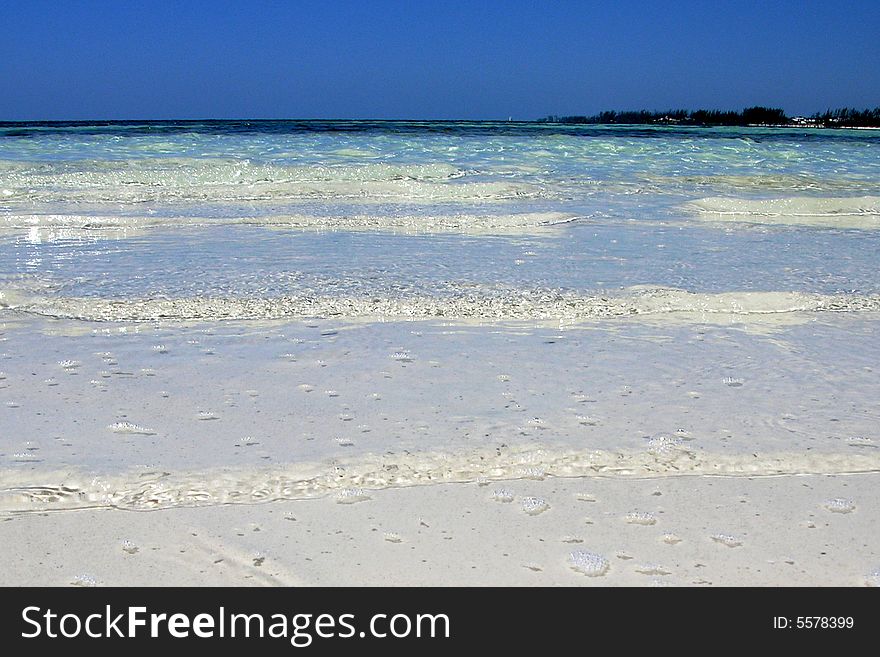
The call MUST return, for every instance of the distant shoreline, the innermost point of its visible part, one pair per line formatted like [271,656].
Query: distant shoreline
[764,117]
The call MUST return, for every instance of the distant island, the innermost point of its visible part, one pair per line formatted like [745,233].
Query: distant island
[762,116]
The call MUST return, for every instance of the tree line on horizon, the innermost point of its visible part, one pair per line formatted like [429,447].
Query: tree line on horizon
[838,118]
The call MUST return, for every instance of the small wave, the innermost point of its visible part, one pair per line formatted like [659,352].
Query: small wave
[843,212]
[36,491]
[467,303]
[57,226]
[217,180]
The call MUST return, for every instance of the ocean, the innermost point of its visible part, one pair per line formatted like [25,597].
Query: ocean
[206,312]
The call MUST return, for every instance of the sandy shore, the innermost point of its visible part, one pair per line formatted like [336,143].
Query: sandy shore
[466,455]
[677,531]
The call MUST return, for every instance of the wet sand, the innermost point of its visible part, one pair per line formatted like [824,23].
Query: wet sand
[670,531]
[740,452]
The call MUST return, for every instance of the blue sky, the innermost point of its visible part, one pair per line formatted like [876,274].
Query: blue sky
[419,59]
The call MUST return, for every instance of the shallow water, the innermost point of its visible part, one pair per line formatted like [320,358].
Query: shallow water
[584,293]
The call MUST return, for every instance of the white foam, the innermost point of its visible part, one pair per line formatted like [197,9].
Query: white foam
[588,563]
[839,505]
[513,304]
[834,212]
[352,479]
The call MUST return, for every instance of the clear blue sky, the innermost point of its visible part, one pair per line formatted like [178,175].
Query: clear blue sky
[420,59]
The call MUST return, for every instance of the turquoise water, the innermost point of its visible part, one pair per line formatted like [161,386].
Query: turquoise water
[266,208]
[625,300]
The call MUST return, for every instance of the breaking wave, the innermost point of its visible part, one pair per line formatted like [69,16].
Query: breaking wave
[457,303]
[143,490]
[834,212]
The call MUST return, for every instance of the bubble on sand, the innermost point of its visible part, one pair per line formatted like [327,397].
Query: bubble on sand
[50,382]
[860,441]
[503,495]
[12,404]
[331,393]
[84,580]
[68,364]
[839,505]
[640,518]
[726,539]
[129,547]
[572,539]
[345,442]
[402,357]
[160,348]
[392,537]
[537,474]
[662,444]
[504,378]
[671,539]
[683,434]
[130,427]
[305,387]
[732,382]
[534,505]
[352,496]
[207,415]
[2,375]
[289,357]
[652,569]
[585,497]
[588,563]
[588,420]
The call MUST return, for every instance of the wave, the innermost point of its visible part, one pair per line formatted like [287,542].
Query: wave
[765,183]
[65,225]
[177,180]
[143,490]
[836,212]
[476,302]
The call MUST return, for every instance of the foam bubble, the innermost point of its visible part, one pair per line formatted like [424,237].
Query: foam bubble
[129,427]
[84,580]
[726,539]
[352,496]
[534,505]
[503,495]
[839,505]
[588,563]
[640,518]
